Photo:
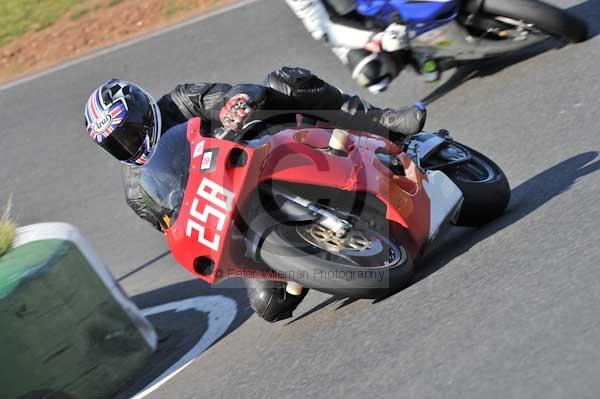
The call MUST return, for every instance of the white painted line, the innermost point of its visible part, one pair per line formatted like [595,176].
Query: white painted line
[221,313]
[110,49]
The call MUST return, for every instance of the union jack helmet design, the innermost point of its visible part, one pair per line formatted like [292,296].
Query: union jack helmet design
[102,119]
[124,120]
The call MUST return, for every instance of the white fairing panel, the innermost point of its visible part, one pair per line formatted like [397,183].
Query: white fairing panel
[445,198]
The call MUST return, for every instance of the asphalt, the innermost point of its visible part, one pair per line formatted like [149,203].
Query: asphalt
[509,310]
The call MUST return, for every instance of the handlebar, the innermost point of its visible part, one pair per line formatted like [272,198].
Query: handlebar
[236,135]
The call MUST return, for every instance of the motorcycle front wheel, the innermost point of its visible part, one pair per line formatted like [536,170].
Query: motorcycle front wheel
[366,263]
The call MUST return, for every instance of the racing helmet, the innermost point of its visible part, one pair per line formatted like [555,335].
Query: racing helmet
[124,120]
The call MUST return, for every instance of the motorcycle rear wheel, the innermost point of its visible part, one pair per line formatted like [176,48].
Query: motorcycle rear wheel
[484,186]
[545,17]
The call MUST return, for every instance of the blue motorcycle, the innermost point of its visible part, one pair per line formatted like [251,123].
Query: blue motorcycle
[448,32]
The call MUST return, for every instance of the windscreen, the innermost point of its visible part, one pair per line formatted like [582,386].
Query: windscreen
[164,177]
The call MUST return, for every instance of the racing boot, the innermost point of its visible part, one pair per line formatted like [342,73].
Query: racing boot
[271,301]
[394,124]
[430,71]
[372,70]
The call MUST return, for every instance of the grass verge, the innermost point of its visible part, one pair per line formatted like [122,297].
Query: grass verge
[36,34]
[7,230]
[175,7]
[20,16]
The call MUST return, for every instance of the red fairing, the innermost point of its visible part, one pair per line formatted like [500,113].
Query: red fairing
[217,188]
[214,189]
[294,157]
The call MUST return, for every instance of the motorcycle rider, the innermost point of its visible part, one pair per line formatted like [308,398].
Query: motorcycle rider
[127,122]
[361,43]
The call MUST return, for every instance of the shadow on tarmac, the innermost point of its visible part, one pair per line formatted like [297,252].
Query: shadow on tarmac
[180,330]
[525,199]
[143,266]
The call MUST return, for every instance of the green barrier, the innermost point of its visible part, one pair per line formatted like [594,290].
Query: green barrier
[67,330]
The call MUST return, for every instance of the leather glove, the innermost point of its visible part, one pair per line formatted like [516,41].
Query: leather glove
[406,120]
[236,111]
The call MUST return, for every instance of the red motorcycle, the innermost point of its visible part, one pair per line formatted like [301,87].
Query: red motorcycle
[340,211]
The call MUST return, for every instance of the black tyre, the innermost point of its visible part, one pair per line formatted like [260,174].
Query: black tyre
[545,17]
[368,264]
[484,186]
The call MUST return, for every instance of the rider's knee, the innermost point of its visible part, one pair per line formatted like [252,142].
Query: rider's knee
[270,300]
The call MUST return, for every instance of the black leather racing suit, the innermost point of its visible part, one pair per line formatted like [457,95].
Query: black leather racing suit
[292,89]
